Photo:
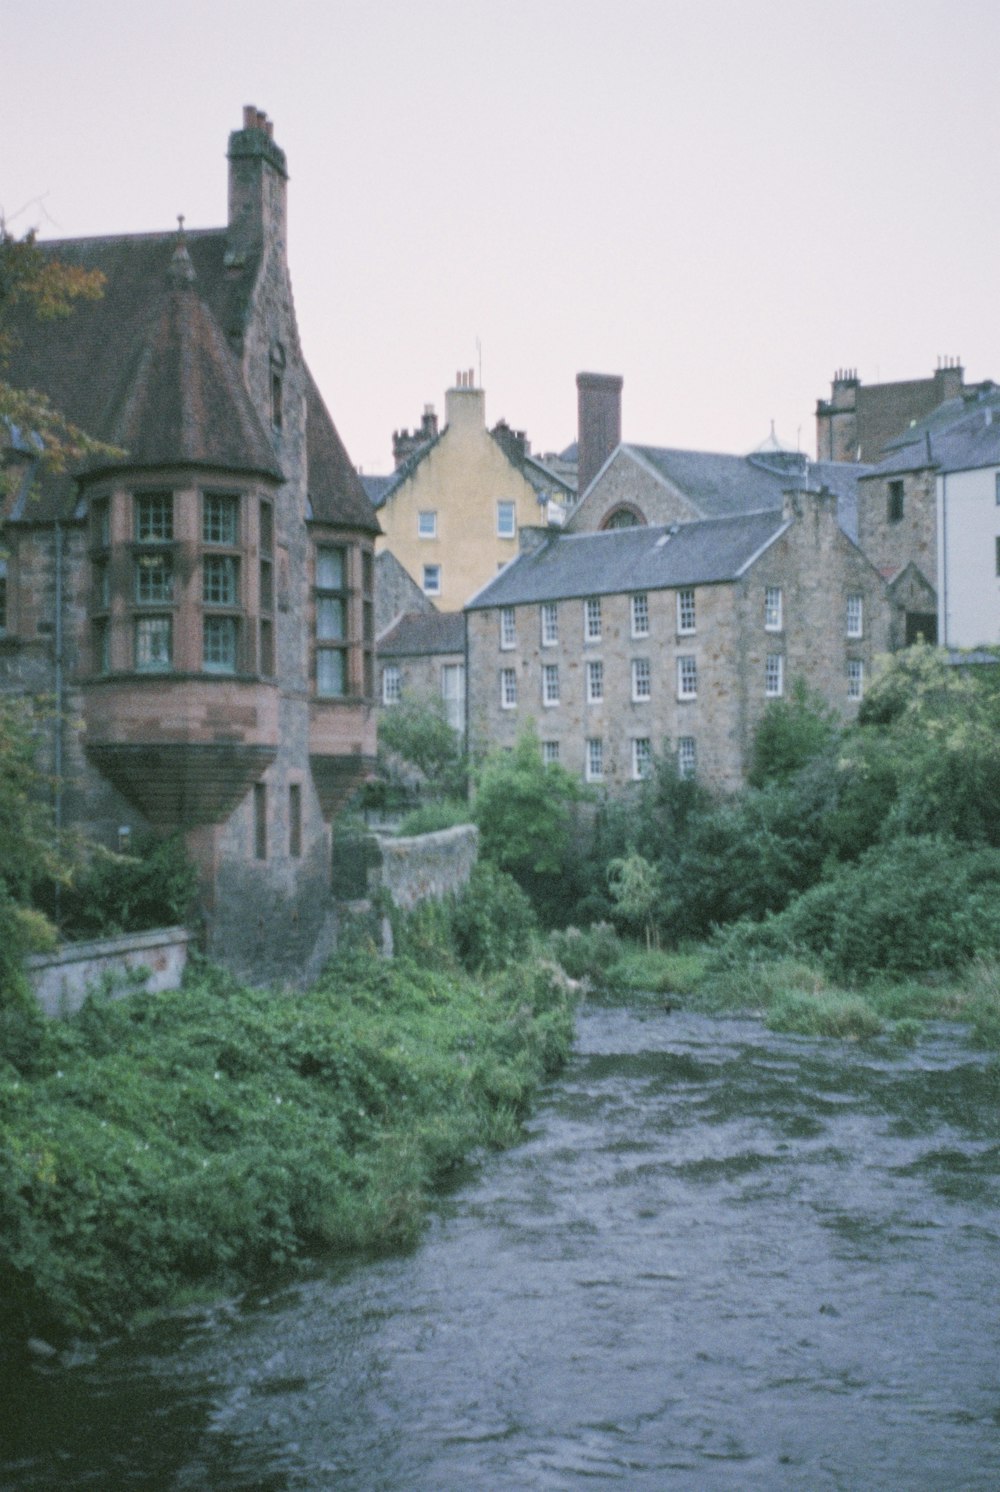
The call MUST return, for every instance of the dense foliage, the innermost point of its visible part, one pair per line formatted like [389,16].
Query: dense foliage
[872,847]
[208,1137]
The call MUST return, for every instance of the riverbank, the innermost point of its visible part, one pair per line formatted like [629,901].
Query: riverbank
[193,1142]
[797,995]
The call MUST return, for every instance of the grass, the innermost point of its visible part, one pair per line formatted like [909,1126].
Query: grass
[792,993]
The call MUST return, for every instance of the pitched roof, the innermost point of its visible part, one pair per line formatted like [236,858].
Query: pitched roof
[178,398]
[718,484]
[154,360]
[612,561]
[335,491]
[417,633]
[959,435]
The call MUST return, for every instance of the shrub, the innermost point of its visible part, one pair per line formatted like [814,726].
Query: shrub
[155,885]
[824,1015]
[493,922]
[591,953]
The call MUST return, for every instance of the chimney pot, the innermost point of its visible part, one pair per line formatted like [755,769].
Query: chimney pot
[249,116]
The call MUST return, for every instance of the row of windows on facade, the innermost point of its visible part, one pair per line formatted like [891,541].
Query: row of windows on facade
[686,616]
[641,752]
[642,681]
[427,522]
[225,640]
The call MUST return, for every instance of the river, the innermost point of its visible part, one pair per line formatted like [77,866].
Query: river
[720,1259]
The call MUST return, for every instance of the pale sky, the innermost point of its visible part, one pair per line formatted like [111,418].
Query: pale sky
[722,200]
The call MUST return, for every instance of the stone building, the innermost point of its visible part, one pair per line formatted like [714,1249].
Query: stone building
[859,420]
[202,605]
[422,656]
[624,484]
[929,519]
[626,643]
[451,512]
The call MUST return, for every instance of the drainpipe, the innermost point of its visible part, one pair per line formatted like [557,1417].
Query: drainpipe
[943,566]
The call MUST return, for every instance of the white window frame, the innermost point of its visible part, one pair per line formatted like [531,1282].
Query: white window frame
[427,524]
[855,678]
[642,757]
[774,676]
[592,619]
[550,685]
[594,759]
[550,753]
[432,580]
[687,756]
[508,688]
[855,615]
[508,628]
[595,682]
[642,681]
[549,621]
[774,608]
[639,613]
[392,684]
[506,510]
[687,677]
[685,613]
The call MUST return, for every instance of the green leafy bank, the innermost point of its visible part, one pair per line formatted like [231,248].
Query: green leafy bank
[201,1140]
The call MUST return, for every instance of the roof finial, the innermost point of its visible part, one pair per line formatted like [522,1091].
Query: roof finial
[181,269]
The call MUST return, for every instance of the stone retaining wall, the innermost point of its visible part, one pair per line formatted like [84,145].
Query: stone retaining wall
[62,980]
[427,866]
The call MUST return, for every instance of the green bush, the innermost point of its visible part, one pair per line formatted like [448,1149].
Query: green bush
[154,885]
[493,922]
[590,953]
[206,1137]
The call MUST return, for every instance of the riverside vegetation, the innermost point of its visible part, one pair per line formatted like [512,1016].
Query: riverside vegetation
[199,1140]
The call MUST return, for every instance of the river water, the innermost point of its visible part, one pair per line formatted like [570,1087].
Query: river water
[720,1259]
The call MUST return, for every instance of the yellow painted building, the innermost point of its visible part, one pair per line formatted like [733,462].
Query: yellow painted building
[452,511]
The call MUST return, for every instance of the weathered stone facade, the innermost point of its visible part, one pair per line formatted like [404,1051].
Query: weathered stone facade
[897,520]
[209,630]
[795,601]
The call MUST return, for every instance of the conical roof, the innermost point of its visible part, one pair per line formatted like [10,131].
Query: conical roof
[180,400]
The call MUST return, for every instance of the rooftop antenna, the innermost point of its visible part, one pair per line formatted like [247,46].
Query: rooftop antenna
[479,360]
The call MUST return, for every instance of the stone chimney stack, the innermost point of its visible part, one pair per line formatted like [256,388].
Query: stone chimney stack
[465,405]
[258,174]
[599,423]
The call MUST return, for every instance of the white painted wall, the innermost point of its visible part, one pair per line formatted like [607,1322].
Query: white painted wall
[968,524]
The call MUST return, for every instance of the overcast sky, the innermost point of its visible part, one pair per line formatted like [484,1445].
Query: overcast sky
[722,200]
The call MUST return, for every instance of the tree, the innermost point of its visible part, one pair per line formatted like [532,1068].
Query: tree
[46,289]
[637,890]
[417,731]
[791,732]
[524,809]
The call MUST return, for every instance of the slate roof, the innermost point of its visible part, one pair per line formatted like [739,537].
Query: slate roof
[615,561]
[960,435]
[376,488]
[421,633]
[718,485]
[151,365]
